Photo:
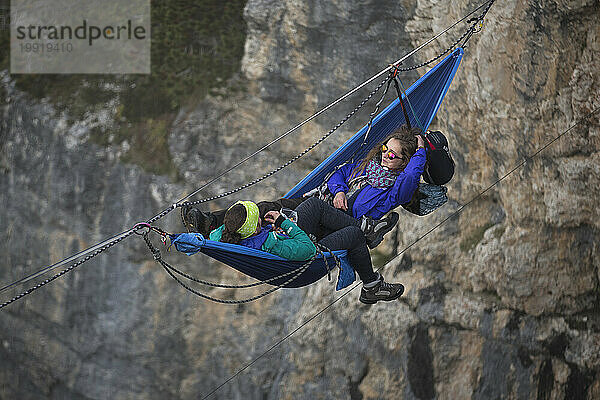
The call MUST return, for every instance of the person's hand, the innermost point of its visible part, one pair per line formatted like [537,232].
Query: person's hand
[420,142]
[340,201]
[271,217]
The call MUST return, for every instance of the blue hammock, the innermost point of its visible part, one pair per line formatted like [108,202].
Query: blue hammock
[262,265]
[424,96]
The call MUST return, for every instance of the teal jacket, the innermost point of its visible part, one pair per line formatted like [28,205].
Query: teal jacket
[296,246]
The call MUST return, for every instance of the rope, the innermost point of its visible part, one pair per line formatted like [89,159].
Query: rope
[179,204]
[65,261]
[219,285]
[466,35]
[519,165]
[265,176]
[328,306]
[72,267]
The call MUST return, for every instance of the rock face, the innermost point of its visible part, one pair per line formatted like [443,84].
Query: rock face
[502,299]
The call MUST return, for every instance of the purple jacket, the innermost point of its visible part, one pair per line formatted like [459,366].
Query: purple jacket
[377,202]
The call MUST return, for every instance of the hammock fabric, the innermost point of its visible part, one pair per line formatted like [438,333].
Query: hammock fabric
[262,265]
[424,96]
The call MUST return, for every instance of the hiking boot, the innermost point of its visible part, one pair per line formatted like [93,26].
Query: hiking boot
[195,220]
[375,229]
[381,291]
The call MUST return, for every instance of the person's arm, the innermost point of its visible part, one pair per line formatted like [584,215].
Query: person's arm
[296,247]
[338,180]
[408,180]
[338,185]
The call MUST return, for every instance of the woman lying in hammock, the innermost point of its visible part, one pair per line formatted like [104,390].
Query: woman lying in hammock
[242,225]
[366,190]
[333,229]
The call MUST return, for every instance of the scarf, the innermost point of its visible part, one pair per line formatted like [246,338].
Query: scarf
[378,176]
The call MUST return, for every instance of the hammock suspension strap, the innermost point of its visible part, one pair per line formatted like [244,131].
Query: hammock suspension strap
[398,84]
[374,114]
[394,76]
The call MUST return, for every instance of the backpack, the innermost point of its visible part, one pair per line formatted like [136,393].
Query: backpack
[439,167]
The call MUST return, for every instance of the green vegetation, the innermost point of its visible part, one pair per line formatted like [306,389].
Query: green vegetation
[196,47]
[469,242]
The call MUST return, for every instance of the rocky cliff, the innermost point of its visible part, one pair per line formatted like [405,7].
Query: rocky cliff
[502,299]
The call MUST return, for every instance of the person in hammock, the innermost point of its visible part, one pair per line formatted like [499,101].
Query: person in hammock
[332,228]
[242,225]
[366,190]
[386,178]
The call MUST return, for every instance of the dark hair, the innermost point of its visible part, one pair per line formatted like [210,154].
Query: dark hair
[233,220]
[408,141]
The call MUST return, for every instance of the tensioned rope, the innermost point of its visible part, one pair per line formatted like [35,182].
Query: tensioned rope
[455,213]
[107,243]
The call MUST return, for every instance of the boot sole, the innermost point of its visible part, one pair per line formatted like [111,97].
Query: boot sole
[376,243]
[186,223]
[365,301]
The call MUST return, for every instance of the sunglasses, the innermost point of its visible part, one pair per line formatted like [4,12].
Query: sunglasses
[390,154]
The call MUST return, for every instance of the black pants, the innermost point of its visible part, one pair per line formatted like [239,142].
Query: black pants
[264,207]
[337,230]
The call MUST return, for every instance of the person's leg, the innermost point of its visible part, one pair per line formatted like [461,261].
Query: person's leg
[374,289]
[310,215]
[263,208]
[352,239]
[292,204]
[203,222]
[332,219]
[342,233]
[316,217]
[219,216]
[195,220]
[327,216]
[266,206]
